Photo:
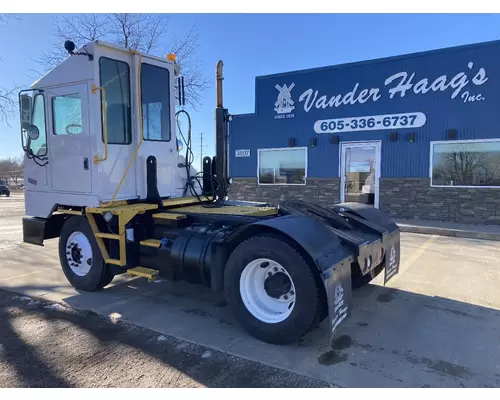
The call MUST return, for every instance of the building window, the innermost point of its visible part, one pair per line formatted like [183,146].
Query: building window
[115,79]
[155,97]
[465,163]
[287,166]
[67,114]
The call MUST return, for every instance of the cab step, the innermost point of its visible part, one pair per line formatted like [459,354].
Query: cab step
[149,273]
[169,216]
[171,219]
[112,261]
[107,235]
[151,243]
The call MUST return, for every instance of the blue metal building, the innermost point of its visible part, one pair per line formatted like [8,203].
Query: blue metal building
[415,135]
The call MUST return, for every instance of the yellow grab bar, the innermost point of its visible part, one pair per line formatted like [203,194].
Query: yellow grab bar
[141,136]
[97,158]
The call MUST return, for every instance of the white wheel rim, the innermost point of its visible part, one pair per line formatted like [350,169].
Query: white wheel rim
[256,287]
[79,253]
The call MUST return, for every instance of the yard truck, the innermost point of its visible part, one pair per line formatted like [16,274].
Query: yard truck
[106,174]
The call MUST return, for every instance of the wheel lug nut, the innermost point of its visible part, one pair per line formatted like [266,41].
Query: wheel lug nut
[275,268]
[292,292]
[285,297]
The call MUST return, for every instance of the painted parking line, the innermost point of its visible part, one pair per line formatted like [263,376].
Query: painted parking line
[10,278]
[414,257]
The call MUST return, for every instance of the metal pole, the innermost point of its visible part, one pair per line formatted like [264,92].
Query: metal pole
[201,151]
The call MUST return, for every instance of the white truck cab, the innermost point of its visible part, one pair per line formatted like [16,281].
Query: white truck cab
[91,125]
[103,174]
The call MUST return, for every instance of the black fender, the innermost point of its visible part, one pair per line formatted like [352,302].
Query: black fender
[37,230]
[378,221]
[317,241]
[320,246]
[369,213]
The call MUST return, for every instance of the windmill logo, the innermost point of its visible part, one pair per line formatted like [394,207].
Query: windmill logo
[392,259]
[284,104]
[339,294]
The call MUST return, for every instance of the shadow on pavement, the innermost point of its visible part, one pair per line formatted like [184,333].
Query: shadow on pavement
[31,369]
[394,338]
[120,356]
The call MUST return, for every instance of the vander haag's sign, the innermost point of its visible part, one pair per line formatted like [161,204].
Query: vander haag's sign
[397,85]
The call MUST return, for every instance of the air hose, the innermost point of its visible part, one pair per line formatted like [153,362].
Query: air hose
[191,180]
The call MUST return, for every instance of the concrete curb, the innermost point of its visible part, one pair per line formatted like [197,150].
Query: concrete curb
[460,233]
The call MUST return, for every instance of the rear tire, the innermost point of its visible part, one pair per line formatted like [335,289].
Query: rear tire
[7,194]
[81,258]
[272,290]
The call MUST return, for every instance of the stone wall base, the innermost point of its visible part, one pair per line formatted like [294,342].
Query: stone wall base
[414,198]
[400,198]
[321,191]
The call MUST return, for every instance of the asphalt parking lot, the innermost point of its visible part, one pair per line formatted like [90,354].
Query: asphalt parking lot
[437,324]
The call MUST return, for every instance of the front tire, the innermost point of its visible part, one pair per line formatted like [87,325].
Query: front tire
[272,290]
[81,258]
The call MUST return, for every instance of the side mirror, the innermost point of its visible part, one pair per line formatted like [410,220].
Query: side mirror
[33,132]
[26,107]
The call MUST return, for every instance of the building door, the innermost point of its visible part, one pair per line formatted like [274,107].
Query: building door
[360,172]
[69,145]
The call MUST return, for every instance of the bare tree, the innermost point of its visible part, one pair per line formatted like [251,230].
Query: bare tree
[142,32]
[11,170]
[4,18]
[470,168]
[8,100]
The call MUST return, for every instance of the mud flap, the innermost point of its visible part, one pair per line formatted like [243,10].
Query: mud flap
[338,287]
[392,256]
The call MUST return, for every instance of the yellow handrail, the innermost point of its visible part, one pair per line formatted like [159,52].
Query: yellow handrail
[141,137]
[97,158]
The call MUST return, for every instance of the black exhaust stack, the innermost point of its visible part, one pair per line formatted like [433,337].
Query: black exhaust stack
[221,141]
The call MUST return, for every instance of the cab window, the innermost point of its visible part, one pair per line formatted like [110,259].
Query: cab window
[155,98]
[115,79]
[67,114]
[39,146]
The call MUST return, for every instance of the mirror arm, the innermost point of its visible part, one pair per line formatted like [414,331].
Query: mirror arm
[90,56]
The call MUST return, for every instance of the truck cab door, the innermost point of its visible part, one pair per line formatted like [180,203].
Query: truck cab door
[158,107]
[70,153]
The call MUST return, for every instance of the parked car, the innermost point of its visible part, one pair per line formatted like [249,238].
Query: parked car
[4,188]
